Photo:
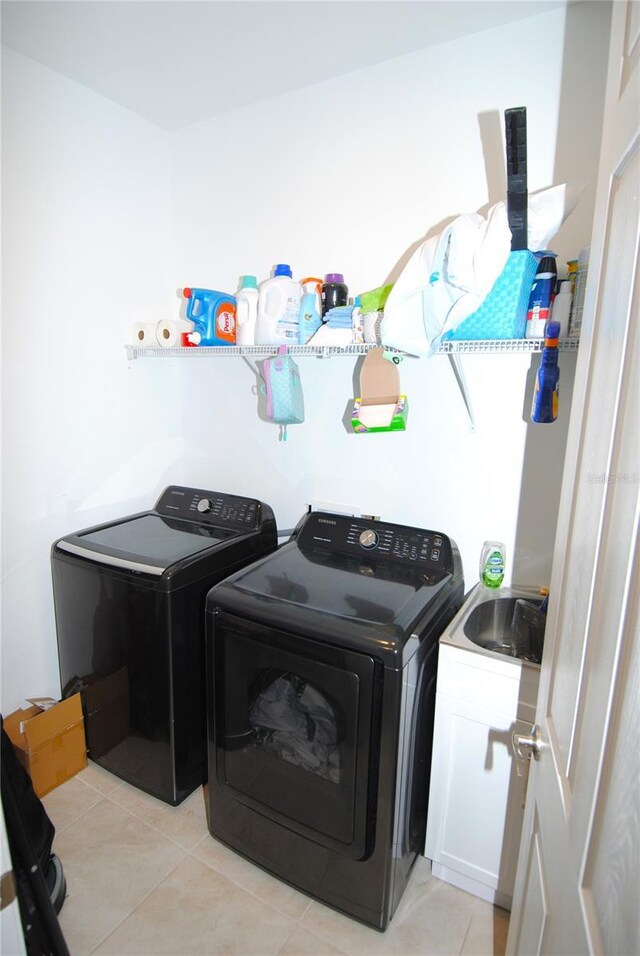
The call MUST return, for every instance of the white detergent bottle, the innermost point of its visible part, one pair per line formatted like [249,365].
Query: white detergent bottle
[278,309]
[246,310]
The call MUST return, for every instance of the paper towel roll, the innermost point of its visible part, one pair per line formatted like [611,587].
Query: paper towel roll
[143,335]
[169,334]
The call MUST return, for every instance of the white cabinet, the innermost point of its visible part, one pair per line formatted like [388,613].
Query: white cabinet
[476,798]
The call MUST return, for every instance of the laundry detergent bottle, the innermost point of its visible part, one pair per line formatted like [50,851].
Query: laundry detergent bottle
[310,316]
[334,292]
[278,308]
[213,314]
[246,310]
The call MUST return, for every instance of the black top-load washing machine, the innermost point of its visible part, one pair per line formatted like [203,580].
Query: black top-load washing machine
[321,669]
[130,608]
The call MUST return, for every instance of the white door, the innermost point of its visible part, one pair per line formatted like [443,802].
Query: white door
[577,885]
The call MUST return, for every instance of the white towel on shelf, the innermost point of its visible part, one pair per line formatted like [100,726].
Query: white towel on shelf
[449,275]
[328,336]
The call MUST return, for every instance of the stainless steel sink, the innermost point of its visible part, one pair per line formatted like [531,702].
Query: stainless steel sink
[502,624]
[504,621]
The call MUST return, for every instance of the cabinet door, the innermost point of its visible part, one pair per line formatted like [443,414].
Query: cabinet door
[476,799]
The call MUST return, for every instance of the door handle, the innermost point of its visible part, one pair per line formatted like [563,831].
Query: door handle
[524,747]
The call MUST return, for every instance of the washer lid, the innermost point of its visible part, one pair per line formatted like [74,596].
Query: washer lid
[148,543]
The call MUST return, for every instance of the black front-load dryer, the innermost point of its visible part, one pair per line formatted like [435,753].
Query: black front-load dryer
[130,607]
[321,670]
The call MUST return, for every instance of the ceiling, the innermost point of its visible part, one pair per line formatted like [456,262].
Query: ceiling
[178,62]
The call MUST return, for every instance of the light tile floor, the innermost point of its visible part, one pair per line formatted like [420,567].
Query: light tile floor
[146,878]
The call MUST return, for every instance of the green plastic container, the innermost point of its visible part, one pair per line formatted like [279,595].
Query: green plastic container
[492,564]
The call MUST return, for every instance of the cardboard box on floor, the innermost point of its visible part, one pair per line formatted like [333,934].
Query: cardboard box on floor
[49,741]
[380,407]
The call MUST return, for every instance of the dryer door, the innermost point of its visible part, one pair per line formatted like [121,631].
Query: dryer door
[296,729]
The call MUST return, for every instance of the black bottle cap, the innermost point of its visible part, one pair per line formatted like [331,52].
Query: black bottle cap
[548,264]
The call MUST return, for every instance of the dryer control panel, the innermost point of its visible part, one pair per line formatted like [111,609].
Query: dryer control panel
[210,507]
[392,542]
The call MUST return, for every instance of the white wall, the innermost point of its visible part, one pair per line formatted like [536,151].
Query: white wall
[341,176]
[345,176]
[86,251]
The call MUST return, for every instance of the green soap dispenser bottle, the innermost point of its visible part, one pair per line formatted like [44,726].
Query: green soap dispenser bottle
[492,563]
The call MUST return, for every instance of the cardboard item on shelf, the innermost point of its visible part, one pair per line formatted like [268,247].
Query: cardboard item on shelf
[49,741]
[380,407]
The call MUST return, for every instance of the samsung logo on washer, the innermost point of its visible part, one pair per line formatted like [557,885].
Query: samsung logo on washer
[326,521]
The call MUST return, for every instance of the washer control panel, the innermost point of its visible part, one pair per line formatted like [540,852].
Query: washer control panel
[209,507]
[393,542]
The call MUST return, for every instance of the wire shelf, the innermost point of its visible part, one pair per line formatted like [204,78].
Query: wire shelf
[504,345]
[256,351]
[326,351]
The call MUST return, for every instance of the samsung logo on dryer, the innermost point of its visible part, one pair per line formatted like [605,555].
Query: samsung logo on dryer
[326,521]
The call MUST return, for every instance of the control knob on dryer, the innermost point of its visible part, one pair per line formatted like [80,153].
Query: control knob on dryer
[204,506]
[368,539]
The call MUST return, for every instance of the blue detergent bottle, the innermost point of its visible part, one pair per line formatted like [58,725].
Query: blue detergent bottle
[310,318]
[213,314]
[544,408]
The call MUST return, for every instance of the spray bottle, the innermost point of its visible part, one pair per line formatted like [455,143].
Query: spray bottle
[541,298]
[213,314]
[544,407]
[310,317]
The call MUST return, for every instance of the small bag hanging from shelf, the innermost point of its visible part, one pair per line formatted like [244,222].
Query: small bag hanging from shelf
[283,390]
